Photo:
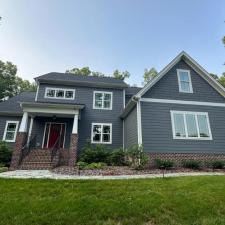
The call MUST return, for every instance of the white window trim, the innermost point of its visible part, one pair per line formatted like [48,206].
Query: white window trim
[64,89]
[103,92]
[5,131]
[172,112]
[179,81]
[101,142]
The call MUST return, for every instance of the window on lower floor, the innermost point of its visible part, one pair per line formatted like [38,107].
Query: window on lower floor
[191,125]
[101,133]
[10,131]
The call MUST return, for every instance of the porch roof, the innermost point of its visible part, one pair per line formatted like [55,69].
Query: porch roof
[49,109]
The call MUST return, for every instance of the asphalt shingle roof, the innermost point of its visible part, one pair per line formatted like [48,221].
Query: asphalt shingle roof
[130,91]
[71,78]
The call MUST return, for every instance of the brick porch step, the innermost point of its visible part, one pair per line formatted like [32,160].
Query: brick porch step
[37,159]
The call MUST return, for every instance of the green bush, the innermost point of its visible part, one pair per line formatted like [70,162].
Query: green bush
[99,165]
[81,165]
[137,157]
[117,158]
[217,164]
[94,153]
[3,169]
[192,164]
[164,164]
[5,153]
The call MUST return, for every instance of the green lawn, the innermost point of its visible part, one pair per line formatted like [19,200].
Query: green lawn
[184,200]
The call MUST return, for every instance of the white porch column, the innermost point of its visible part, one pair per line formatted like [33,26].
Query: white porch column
[75,124]
[30,129]
[24,122]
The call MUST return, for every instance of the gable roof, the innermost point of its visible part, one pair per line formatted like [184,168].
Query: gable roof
[130,91]
[71,79]
[192,63]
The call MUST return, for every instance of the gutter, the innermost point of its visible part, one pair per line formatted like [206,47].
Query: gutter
[130,105]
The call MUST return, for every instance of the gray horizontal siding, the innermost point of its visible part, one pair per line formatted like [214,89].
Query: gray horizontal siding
[168,88]
[130,129]
[3,120]
[157,129]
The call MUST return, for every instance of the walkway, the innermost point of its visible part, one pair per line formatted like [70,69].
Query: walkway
[46,174]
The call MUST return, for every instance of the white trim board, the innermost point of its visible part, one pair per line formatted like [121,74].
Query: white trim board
[139,126]
[182,102]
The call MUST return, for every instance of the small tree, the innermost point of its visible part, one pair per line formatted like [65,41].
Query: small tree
[5,153]
[149,74]
[121,75]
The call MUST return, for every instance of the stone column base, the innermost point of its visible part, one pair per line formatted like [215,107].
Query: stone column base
[178,158]
[17,151]
[73,150]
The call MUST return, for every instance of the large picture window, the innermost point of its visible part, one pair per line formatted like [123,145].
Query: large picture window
[10,131]
[101,133]
[184,80]
[190,125]
[102,100]
[60,93]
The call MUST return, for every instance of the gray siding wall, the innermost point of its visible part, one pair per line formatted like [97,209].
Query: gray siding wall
[167,87]
[3,120]
[157,129]
[84,95]
[130,129]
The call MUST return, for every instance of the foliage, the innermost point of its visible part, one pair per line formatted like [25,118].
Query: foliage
[192,164]
[121,75]
[217,164]
[94,153]
[5,153]
[164,164]
[10,83]
[138,158]
[85,71]
[99,165]
[214,76]
[3,169]
[81,165]
[223,40]
[117,157]
[149,74]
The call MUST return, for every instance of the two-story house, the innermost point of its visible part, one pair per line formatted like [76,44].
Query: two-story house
[179,114]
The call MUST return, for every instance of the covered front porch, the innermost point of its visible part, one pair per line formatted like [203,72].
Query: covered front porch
[47,136]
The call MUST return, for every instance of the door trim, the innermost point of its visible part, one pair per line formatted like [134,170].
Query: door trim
[50,123]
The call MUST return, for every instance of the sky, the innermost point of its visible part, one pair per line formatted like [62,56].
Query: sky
[41,36]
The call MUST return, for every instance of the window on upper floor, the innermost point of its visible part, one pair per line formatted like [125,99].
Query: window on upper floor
[184,80]
[10,132]
[191,125]
[60,93]
[102,100]
[101,133]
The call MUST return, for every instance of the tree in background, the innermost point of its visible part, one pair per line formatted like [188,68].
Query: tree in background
[85,71]
[121,75]
[149,74]
[10,83]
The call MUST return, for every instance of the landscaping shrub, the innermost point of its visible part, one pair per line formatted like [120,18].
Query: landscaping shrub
[117,158]
[192,164]
[138,158]
[164,164]
[5,153]
[217,164]
[94,153]
[99,165]
[81,165]
[3,169]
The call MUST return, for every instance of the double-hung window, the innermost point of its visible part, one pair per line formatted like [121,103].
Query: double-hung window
[184,80]
[60,93]
[10,131]
[101,133]
[191,125]
[102,100]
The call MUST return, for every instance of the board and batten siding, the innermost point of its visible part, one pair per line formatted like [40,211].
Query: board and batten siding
[130,128]
[167,87]
[88,115]
[157,132]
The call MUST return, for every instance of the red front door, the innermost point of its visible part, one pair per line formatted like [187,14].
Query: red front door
[54,132]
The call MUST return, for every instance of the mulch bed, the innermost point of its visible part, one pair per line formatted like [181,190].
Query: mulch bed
[123,170]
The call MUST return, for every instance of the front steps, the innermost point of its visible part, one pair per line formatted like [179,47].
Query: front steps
[37,159]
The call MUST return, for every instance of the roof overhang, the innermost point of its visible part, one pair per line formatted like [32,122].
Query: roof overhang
[130,105]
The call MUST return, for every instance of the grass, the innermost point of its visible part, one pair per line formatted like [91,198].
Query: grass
[169,201]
